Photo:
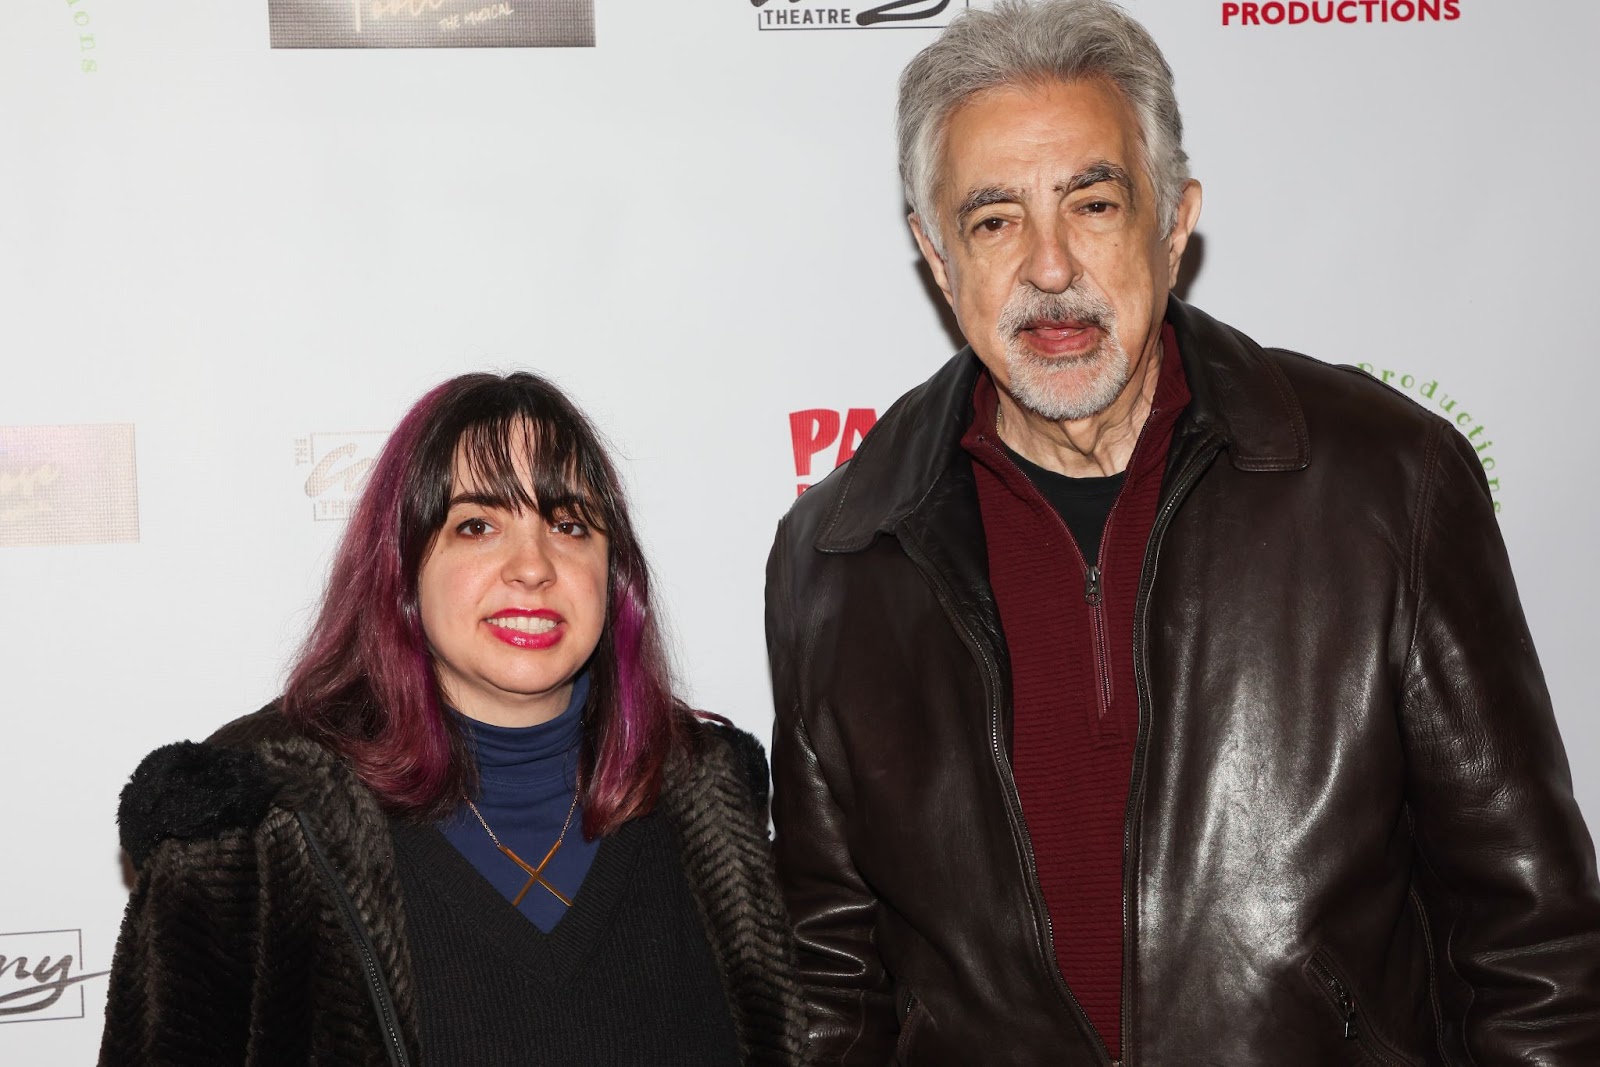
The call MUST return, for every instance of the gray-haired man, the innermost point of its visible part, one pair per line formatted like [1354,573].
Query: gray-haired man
[1145,695]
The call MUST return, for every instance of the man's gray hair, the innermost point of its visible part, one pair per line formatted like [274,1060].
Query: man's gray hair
[1024,44]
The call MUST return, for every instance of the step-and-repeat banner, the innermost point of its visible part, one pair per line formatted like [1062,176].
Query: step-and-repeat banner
[237,240]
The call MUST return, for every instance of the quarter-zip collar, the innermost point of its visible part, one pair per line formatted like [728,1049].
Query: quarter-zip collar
[900,470]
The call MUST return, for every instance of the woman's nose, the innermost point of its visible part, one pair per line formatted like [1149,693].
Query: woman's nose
[528,558]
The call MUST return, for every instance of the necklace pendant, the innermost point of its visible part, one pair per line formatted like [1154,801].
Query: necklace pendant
[535,874]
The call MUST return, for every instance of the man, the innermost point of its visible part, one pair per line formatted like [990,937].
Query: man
[1145,696]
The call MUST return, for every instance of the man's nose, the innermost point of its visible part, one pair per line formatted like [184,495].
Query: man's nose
[1050,265]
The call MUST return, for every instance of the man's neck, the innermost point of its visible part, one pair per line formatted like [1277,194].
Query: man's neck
[1097,446]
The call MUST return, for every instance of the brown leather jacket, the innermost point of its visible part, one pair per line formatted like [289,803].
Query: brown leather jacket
[1351,835]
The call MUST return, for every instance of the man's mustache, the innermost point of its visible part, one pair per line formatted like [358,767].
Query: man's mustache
[1030,307]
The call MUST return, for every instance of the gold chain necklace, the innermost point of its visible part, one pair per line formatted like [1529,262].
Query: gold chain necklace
[535,874]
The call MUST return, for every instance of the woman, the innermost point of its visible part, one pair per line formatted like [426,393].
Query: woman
[477,827]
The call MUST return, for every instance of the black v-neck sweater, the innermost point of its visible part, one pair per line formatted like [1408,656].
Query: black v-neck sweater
[626,977]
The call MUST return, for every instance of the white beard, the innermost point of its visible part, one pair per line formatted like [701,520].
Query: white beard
[1067,388]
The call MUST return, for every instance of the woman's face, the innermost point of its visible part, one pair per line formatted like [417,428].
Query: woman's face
[513,604]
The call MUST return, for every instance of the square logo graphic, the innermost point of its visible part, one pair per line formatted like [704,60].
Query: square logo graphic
[340,464]
[68,485]
[431,23]
[41,976]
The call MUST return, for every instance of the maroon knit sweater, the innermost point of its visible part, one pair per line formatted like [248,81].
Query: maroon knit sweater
[1075,714]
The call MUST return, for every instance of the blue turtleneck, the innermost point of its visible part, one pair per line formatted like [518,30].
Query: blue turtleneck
[526,777]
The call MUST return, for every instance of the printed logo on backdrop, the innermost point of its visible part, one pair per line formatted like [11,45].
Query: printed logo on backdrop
[1338,12]
[340,464]
[42,976]
[865,15]
[824,438]
[1435,397]
[81,21]
[431,23]
[68,485]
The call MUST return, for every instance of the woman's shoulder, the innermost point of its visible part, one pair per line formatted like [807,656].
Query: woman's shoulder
[720,760]
[735,752]
[265,724]
[197,790]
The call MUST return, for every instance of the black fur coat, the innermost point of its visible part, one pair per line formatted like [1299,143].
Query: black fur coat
[266,924]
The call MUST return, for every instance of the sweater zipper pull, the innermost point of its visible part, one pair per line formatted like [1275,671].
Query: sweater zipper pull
[1091,585]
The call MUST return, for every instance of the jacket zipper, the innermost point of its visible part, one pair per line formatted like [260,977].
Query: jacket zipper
[1043,928]
[1345,1003]
[1205,452]
[382,1002]
[907,1027]
[1342,998]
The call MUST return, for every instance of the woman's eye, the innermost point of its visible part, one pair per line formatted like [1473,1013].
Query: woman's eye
[572,528]
[474,528]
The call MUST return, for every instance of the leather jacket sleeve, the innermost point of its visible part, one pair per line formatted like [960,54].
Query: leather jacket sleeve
[848,998]
[1508,877]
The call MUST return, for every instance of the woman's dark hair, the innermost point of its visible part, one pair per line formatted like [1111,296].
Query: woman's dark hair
[364,682]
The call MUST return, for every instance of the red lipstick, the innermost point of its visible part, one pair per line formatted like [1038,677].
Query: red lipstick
[540,636]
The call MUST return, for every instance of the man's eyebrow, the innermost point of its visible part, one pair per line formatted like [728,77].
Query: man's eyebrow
[1102,170]
[980,198]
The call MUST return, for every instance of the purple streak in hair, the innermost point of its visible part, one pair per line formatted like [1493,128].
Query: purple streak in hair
[366,654]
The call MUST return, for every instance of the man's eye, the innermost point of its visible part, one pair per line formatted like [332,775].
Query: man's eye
[1098,207]
[474,528]
[991,225]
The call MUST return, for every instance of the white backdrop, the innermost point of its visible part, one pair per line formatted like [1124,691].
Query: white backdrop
[222,263]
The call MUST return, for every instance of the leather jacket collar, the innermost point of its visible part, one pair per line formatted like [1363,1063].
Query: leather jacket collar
[1238,394]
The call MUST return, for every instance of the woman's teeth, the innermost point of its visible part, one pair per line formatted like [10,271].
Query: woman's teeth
[528,624]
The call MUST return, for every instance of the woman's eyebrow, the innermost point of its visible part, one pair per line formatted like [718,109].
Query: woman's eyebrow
[482,500]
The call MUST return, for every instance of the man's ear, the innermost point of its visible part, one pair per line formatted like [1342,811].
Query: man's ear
[1188,216]
[935,261]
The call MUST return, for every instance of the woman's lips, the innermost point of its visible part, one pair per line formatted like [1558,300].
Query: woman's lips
[523,628]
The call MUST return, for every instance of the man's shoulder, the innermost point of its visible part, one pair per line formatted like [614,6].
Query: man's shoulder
[1260,391]
[903,453]
[1320,380]
[1345,404]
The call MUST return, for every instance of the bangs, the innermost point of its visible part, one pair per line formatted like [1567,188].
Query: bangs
[566,475]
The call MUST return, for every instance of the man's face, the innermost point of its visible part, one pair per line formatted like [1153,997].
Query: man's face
[1054,261]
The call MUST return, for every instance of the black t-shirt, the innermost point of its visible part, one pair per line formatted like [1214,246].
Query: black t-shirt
[1084,504]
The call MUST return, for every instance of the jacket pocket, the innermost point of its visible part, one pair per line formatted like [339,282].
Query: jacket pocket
[911,1015]
[1346,1017]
